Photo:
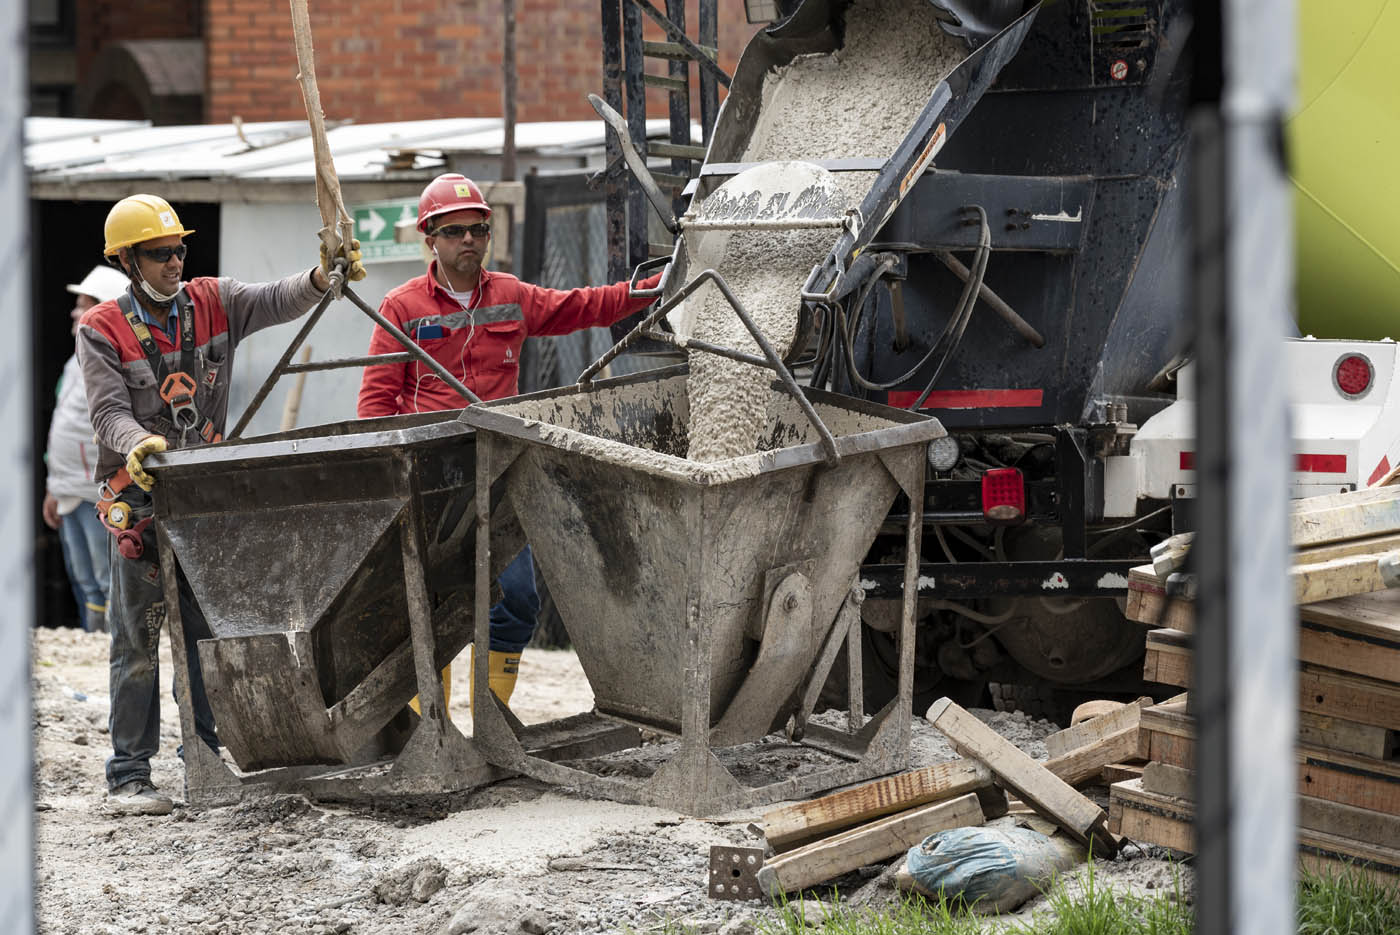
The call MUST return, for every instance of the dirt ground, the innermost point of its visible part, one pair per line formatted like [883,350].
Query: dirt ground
[518,856]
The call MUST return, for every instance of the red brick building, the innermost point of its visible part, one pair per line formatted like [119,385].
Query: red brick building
[376,60]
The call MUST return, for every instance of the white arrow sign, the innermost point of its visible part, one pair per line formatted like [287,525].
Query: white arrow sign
[374,224]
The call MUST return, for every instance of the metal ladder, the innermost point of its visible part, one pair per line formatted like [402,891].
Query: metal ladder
[625,55]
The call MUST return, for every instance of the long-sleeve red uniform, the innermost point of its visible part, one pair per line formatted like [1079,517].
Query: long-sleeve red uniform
[480,346]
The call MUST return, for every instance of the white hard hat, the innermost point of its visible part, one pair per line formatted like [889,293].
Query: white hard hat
[104,284]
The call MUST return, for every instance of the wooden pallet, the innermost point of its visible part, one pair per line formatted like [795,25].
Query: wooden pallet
[1358,634]
[1322,691]
[1333,775]
[1167,821]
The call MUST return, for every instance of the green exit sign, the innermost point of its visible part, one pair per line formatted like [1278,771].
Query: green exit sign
[374,227]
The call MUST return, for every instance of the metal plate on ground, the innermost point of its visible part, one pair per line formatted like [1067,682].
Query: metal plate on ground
[734,872]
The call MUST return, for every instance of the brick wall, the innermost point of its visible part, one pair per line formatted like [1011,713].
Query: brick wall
[96,22]
[382,60]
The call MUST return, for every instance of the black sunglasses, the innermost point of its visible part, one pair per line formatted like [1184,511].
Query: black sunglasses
[163,254]
[457,231]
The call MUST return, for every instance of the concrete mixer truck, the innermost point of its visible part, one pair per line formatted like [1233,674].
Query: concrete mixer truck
[1016,264]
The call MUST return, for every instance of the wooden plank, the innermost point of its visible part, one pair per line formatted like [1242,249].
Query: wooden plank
[1319,730]
[1155,609]
[1375,615]
[1350,780]
[1094,729]
[1368,545]
[1117,772]
[1348,821]
[1165,779]
[790,825]
[850,850]
[1323,581]
[1085,764]
[1322,645]
[1167,821]
[1167,660]
[1348,516]
[1050,795]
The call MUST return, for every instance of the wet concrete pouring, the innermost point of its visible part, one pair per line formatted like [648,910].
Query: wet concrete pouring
[517,856]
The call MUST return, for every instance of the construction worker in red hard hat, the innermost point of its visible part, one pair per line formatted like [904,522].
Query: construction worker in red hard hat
[474,322]
[156,361]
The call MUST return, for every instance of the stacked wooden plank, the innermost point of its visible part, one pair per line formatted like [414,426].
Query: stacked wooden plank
[1348,693]
[821,839]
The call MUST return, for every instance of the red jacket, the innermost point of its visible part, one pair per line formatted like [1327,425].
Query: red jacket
[505,311]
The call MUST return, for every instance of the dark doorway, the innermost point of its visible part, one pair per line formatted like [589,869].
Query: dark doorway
[67,242]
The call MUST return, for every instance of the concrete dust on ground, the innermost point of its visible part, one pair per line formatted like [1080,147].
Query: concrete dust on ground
[517,856]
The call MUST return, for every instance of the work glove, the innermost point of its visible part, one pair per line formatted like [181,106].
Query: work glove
[354,266]
[151,444]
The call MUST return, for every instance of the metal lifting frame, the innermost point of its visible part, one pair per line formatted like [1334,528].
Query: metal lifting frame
[284,365]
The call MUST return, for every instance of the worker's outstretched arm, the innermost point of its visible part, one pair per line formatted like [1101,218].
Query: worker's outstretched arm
[557,311]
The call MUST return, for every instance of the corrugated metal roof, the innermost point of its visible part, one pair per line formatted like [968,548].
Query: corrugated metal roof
[67,150]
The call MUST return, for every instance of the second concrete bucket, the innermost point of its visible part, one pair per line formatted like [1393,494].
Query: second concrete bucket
[705,600]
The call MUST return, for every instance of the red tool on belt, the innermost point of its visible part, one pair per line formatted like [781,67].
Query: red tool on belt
[119,517]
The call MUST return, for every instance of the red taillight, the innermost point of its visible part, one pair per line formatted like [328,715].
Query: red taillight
[1353,374]
[1003,496]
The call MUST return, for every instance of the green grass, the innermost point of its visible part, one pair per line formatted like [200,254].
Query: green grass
[1346,903]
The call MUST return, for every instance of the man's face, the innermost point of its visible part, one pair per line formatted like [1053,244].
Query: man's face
[464,254]
[81,304]
[163,275]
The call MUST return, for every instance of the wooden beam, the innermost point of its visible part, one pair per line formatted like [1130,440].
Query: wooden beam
[1165,779]
[1359,574]
[1096,728]
[1319,730]
[830,857]
[1050,795]
[1167,821]
[786,827]
[1085,764]
[1348,821]
[1117,772]
[1345,516]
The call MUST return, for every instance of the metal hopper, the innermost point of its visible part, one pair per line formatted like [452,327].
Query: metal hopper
[703,599]
[333,565]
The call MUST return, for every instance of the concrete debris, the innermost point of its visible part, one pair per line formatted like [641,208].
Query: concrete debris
[417,880]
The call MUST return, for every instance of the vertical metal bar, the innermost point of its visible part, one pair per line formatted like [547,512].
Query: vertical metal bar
[855,675]
[913,548]
[17,512]
[508,85]
[637,129]
[680,105]
[1245,653]
[1072,468]
[432,702]
[709,88]
[616,200]
[481,621]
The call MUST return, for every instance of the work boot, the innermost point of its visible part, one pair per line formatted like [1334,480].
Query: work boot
[446,693]
[95,619]
[137,797]
[501,671]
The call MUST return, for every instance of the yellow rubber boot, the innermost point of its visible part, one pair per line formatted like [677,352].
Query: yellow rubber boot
[501,671]
[446,692]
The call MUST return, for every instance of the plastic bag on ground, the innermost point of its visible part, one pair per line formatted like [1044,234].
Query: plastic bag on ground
[991,869]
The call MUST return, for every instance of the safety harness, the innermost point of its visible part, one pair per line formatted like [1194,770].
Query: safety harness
[178,391]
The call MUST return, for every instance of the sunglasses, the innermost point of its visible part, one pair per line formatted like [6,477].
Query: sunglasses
[163,254]
[458,231]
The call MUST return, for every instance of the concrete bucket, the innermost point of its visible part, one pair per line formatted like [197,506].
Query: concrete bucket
[704,599]
[334,567]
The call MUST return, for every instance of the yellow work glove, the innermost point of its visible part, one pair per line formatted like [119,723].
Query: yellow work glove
[151,444]
[354,267]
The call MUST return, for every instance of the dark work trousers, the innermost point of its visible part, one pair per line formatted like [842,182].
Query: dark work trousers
[514,616]
[135,615]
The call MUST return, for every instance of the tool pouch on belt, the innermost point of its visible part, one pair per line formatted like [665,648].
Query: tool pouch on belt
[126,511]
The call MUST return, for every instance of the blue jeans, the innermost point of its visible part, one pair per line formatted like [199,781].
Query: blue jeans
[136,612]
[514,617]
[86,544]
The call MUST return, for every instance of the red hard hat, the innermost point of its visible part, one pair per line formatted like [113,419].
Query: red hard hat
[448,193]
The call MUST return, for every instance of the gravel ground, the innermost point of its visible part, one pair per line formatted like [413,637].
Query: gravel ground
[517,856]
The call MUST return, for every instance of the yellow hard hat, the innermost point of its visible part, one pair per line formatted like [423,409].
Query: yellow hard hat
[140,218]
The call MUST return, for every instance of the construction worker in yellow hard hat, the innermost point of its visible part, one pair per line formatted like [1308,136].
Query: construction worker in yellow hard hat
[156,362]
